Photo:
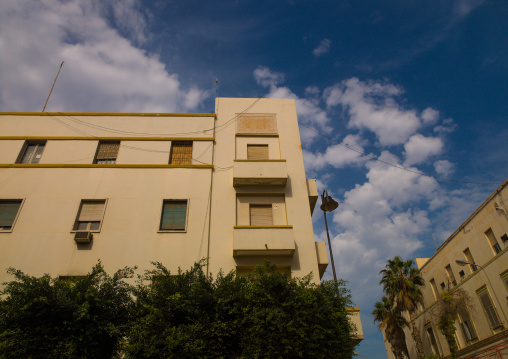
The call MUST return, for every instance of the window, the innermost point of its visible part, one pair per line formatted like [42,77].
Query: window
[451,277]
[493,241]
[261,215]
[434,288]
[443,286]
[504,278]
[257,152]
[432,340]
[462,275]
[469,258]
[489,308]
[107,152]
[466,324]
[181,153]
[256,123]
[90,215]
[174,215]
[31,152]
[504,238]
[9,209]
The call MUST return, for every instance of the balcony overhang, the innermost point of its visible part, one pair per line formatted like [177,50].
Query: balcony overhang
[322,258]
[260,172]
[354,317]
[313,194]
[263,241]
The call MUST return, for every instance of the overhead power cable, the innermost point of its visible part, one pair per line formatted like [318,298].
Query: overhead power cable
[375,158]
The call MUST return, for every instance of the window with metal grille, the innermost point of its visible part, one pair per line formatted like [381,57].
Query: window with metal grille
[261,215]
[90,215]
[257,152]
[432,340]
[107,152]
[489,308]
[174,215]
[9,209]
[466,324]
[493,241]
[181,153]
[31,152]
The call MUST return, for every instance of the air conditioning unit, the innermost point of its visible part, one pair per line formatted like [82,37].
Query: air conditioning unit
[83,237]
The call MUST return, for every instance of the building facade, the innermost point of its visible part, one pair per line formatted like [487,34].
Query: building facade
[473,259]
[130,189]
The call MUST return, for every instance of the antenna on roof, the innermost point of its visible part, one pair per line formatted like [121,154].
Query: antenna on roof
[52,87]
[433,236]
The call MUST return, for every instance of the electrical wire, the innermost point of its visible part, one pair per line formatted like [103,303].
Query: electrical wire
[375,158]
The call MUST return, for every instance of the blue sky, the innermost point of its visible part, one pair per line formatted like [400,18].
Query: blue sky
[417,84]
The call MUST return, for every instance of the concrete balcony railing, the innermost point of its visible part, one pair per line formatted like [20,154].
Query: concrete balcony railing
[322,257]
[263,241]
[354,317]
[260,172]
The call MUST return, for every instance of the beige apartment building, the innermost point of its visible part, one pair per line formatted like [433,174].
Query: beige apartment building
[131,188]
[482,241]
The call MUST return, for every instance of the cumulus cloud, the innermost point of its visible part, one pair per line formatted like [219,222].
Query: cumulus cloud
[419,148]
[430,116]
[308,109]
[372,105]
[444,167]
[103,70]
[338,156]
[323,48]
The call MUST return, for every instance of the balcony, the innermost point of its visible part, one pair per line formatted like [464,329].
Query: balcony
[313,194]
[263,241]
[322,258]
[354,317]
[260,172]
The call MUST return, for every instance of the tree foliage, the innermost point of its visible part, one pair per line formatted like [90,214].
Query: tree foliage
[188,315]
[390,319]
[402,284]
[85,317]
[265,314]
[446,313]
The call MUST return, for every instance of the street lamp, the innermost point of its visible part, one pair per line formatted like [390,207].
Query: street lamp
[328,204]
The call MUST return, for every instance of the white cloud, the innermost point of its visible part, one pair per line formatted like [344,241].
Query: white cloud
[323,47]
[419,148]
[103,71]
[266,77]
[337,156]
[430,116]
[371,105]
[308,110]
[444,167]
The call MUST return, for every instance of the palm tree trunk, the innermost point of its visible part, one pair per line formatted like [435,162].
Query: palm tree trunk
[415,333]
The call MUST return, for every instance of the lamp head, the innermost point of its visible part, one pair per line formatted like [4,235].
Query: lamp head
[462,262]
[328,204]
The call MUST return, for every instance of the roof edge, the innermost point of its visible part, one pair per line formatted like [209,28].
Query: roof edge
[469,219]
[136,114]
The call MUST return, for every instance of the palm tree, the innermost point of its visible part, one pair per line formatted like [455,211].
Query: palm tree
[390,319]
[402,283]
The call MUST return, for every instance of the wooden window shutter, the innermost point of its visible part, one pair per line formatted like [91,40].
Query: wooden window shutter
[174,215]
[8,212]
[257,152]
[91,211]
[261,215]
[181,153]
[108,150]
[490,310]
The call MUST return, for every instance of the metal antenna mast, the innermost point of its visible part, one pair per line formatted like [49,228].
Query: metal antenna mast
[52,86]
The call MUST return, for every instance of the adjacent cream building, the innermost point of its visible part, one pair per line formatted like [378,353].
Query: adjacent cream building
[131,188]
[482,240]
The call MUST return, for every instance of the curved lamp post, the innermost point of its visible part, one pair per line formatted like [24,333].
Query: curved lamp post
[328,204]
